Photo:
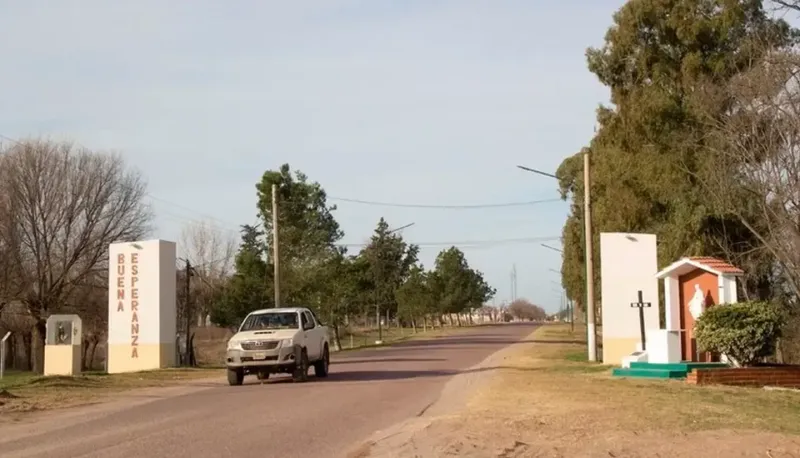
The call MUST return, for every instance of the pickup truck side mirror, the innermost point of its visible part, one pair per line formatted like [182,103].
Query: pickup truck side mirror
[308,325]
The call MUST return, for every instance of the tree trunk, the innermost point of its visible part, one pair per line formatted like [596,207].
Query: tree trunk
[337,342]
[192,356]
[37,346]
[22,359]
[414,325]
[92,352]
[85,355]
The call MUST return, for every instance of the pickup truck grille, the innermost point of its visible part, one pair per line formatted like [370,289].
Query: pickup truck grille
[260,345]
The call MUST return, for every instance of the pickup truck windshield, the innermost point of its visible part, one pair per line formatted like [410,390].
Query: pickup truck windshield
[270,320]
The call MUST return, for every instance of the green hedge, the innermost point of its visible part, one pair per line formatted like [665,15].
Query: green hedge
[746,331]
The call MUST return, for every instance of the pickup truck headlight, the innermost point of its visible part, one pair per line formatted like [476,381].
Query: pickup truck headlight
[286,343]
[234,345]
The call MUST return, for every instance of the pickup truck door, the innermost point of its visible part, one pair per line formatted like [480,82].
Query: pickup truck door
[311,332]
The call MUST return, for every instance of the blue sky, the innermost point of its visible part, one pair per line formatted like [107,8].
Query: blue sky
[431,102]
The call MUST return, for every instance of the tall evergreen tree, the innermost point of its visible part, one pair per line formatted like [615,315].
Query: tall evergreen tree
[648,155]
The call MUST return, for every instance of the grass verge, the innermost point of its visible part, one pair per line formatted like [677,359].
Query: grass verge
[25,392]
[546,400]
[559,371]
[366,338]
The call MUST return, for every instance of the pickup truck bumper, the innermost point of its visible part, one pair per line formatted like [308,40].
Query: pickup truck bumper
[260,358]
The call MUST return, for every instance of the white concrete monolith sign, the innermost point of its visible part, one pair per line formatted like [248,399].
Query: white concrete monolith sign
[628,264]
[141,306]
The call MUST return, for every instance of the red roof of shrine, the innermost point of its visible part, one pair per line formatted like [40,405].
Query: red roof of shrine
[713,265]
[717,264]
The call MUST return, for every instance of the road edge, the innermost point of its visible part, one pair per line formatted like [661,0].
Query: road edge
[451,400]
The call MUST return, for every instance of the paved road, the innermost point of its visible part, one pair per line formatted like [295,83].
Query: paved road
[366,391]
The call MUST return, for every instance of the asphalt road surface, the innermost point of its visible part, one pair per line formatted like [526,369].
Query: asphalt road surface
[366,391]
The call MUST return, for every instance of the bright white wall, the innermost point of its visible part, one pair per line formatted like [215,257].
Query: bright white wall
[628,263]
[143,273]
[672,304]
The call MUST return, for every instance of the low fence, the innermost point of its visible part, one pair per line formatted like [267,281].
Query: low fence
[778,376]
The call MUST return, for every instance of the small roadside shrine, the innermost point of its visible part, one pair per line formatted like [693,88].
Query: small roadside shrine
[691,286]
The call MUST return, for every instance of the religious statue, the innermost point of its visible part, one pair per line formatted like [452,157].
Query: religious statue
[61,336]
[65,333]
[697,305]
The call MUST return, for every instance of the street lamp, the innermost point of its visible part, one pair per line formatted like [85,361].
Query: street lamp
[591,330]
[551,248]
[401,228]
[528,169]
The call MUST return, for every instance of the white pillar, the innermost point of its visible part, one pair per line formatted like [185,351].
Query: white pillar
[672,305]
[141,306]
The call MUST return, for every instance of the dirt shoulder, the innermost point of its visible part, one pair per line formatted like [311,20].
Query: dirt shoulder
[24,393]
[540,398]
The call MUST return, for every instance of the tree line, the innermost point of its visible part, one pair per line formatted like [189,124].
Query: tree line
[62,205]
[699,144]
[384,279]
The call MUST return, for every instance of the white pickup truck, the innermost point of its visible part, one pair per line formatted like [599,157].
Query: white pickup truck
[274,341]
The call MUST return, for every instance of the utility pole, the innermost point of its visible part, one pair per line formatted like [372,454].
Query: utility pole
[513,282]
[276,251]
[187,357]
[587,217]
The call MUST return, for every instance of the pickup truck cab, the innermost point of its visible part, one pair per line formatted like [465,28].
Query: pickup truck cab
[278,341]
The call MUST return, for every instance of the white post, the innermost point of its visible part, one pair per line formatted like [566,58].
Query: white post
[591,339]
[3,354]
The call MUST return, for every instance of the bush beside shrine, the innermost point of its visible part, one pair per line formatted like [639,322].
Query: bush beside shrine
[746,332]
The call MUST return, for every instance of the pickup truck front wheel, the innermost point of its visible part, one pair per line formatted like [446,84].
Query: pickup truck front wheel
[321,366]
[235,377]
[300,373]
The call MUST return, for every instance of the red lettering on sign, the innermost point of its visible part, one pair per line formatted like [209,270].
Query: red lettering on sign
[134,305]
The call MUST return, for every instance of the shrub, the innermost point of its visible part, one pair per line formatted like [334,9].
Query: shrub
[746,331]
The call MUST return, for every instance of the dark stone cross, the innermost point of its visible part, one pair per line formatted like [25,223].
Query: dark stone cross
[641,305]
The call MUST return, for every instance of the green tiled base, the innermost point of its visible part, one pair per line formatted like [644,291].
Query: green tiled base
[647,373]
[664,371]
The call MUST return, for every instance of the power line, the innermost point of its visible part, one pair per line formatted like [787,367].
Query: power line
[444,207]
[228,226]
[466,243]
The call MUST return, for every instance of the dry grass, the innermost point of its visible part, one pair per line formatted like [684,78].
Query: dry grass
[24,392]
[558,372]
[366,338]
[545,400]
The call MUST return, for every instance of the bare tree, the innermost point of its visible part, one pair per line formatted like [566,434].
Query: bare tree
[10,284]
[211,251]
[756,147]
[787,4]
[66,206]
[522,309]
